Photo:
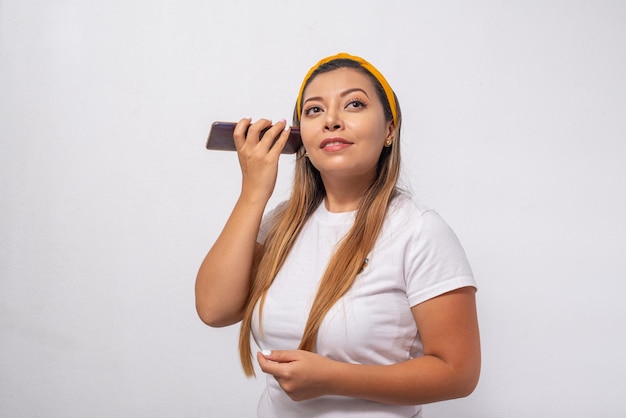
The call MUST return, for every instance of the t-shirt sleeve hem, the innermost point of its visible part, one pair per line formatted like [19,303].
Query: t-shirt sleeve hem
[441,288]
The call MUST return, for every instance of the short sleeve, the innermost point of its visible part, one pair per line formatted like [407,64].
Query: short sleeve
[436,262]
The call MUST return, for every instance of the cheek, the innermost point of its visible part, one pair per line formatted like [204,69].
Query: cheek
[375,134]
[306,133]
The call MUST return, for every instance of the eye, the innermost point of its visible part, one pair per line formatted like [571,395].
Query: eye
[355,104]
[312,110]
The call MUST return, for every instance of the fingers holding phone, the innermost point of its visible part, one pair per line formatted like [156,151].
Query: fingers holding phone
[257,155]
[275,138]
[252,134]
[239,133]
[264,134]
[222,136]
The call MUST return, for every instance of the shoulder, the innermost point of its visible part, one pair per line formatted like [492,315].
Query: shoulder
[404,209]
[434,260]
[419,221]
[404,202]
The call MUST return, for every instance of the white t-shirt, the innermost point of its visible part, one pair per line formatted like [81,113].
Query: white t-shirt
[416,257]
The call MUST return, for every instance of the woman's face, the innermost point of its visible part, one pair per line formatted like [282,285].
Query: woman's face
[343,124]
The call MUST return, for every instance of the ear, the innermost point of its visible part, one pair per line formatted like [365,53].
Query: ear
[391,133]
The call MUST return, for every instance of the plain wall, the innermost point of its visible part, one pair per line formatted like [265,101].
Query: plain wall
[514,130]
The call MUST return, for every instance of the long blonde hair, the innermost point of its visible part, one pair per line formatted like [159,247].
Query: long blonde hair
[307,194]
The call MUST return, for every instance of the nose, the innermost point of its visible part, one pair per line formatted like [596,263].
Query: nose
[333,120]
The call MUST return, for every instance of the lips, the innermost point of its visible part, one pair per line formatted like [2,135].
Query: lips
[333,144]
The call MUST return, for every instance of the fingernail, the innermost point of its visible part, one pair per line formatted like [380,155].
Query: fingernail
[266,353]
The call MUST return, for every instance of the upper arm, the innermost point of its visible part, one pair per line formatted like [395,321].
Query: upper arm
[448,326]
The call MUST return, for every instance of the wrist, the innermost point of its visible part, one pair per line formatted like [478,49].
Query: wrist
[338,378]
[253,198]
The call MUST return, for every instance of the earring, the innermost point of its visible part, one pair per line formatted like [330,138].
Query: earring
[388,143]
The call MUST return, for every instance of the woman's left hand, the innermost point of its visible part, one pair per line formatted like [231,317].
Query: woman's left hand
[302,375]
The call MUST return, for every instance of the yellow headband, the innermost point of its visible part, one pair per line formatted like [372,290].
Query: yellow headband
[369,67]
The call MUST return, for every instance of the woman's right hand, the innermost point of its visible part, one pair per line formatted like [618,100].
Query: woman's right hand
[258,158]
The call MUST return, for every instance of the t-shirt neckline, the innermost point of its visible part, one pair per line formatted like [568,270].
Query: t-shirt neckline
[324,215]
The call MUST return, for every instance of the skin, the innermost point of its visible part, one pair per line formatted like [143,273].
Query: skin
[341,105]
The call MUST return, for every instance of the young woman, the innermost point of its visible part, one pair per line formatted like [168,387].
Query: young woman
[360,299]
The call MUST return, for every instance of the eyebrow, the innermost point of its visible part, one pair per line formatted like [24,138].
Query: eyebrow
[343,94]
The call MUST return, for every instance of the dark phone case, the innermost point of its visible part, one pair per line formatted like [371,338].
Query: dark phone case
[221,138]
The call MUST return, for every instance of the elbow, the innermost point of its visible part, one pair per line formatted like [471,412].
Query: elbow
[214,318]
[468,387]
[468,381]
[213,321]
[214,312]
[209,320]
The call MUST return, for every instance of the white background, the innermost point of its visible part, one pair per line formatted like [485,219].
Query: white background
[514,130]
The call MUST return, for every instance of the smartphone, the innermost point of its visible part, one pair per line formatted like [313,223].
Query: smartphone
[221,138]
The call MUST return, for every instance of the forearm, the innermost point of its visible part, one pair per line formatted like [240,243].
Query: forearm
[418,381]
[223,280]
[449,369]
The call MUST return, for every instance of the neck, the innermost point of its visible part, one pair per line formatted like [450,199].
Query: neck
[344,194]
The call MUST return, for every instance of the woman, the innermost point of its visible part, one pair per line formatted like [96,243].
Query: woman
[361,300]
